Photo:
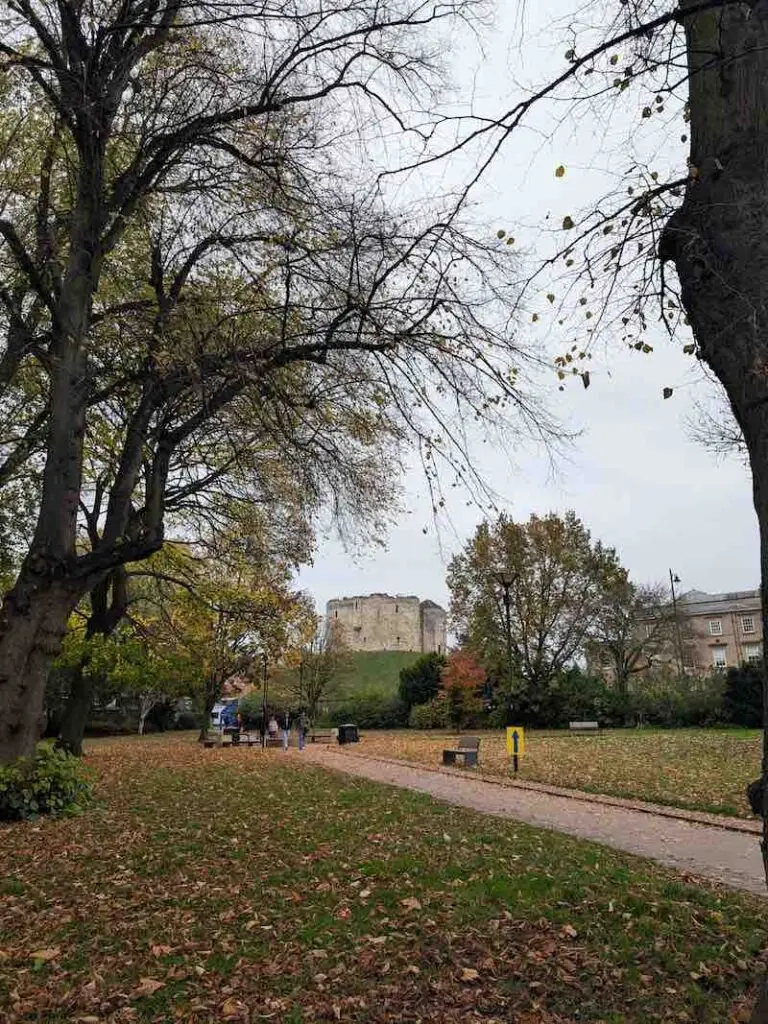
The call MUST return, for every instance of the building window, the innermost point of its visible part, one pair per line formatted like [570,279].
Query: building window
[648,629]
[753,654]
[336,615]
[719,657]
[397,639]
[689,656]
[748,623]
[397,608]
[715,627]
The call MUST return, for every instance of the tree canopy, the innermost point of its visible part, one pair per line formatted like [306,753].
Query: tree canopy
[557,578]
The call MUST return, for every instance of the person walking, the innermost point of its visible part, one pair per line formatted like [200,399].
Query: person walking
[286,726]
[273,728]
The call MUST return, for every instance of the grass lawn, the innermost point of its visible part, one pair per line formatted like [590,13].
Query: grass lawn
[704,769]
[239,885]
[376,671]
[364,673]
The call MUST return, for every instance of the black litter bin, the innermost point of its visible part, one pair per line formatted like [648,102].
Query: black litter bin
[348,734]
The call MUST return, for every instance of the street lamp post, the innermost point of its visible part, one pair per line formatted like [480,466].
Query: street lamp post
[505,582]
[264,702]
[673,579]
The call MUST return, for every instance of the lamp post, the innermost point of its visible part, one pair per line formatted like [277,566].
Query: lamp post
[505,582]
[264,702]
[673,579]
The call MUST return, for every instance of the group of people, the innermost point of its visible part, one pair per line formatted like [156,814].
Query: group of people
[273,726]
[282,724]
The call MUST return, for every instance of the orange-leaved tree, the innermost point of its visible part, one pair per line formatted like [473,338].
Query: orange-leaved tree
[461,682]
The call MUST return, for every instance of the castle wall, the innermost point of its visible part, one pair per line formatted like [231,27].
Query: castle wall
[433,628]
[377,622]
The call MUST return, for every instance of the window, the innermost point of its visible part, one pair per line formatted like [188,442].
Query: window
[648,629]
[397,608]
[715,627]
[748,623]
[753,654]
[397,639]
[719,657]
[336,615]
[689,656]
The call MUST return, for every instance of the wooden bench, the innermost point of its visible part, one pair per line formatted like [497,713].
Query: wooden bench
[583,727]
[468,749]
[323,736]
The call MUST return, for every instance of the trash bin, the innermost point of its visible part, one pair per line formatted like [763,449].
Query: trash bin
[348,734]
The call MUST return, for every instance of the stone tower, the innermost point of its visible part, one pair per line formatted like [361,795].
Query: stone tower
[380,622]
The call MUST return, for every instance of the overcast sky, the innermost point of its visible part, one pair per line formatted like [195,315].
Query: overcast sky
[633,476]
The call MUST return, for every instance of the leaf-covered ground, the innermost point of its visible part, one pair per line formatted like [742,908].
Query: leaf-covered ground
[701,769]
[238,885]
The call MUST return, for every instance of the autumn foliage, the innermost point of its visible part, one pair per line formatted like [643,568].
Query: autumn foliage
[461,681]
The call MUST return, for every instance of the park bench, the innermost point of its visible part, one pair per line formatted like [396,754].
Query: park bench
[468,749]
[583,727]
[322,736]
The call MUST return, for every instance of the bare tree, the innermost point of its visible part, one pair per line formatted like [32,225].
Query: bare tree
[634,628]
[192,241]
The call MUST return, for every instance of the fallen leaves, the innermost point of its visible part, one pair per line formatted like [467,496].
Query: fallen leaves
[45,955]
[411,903]
[147,987]
[704,769]
[151,911]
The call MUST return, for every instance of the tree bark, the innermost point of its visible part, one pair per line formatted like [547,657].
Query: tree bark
[106,614]
[718,241]
[76,712]
[30,637]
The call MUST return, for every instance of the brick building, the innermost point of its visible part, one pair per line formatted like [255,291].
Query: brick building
[720,630]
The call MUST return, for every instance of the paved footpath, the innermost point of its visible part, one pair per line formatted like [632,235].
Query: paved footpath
[730,857]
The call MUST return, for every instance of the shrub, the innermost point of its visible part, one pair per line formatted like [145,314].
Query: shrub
[250,707]
[433,715]
[743,696]
[161,717]
[672,702]
[369,711]
[187,720]
[51,782]
[420,682]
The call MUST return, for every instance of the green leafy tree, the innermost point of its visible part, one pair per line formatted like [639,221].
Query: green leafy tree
[186,255]
[557,579]
[420,682]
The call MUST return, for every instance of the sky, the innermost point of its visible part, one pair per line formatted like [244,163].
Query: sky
[633,475]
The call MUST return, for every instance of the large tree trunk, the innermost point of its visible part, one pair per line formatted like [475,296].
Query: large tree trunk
[76,712]
[718,241]
[106,615]
[30,637]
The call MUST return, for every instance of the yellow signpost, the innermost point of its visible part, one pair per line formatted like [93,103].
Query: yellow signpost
[515,743]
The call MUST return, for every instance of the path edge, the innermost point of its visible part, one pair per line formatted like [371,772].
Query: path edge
[723,822]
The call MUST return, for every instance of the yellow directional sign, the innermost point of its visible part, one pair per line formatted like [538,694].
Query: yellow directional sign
[515,740]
